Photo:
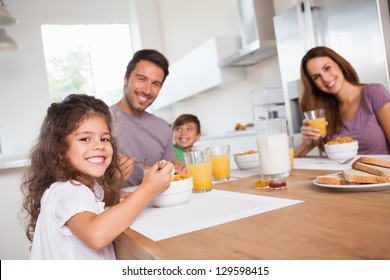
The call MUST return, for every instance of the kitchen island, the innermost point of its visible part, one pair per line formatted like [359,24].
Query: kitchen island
[329,224]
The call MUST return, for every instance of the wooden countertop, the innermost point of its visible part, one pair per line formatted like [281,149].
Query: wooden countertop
[329,225]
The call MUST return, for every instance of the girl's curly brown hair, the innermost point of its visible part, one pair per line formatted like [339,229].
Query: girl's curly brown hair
[48,160]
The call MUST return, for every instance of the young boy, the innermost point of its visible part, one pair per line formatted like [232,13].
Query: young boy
[186,131]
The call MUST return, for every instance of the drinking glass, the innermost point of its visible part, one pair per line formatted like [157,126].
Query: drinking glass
[198,164]
[274,151]
[220,159]
[317,118]
[291,146]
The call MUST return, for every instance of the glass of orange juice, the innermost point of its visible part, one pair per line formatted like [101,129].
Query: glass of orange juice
[291,146]
[220,159]
[317,118]
[199,166]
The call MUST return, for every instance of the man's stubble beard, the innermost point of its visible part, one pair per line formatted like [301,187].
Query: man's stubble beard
[130,102]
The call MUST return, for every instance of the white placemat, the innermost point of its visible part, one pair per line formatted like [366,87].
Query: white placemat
[319,164]
[202,211]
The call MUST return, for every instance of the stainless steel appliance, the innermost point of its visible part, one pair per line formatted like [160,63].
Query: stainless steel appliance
[357,29]
[268,103]
[293,89]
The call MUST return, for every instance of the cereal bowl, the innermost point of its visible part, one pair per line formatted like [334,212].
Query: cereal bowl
[247,160]
[179,191]
[342,149]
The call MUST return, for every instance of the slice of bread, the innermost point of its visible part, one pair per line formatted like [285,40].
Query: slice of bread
[362,177]
[374,161]
[365,170]
[373,169]
[332,179]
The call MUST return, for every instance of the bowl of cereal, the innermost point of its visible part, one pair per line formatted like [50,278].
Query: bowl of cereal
[247,160]
[179,191]
[342,148]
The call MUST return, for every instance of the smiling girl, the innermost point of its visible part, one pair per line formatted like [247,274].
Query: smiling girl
[73,177]
[352,109]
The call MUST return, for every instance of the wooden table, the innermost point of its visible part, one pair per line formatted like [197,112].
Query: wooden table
[328,225]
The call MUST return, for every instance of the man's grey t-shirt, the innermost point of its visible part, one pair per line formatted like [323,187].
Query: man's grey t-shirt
[146,136]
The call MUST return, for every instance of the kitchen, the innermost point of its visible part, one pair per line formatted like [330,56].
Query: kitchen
[23,75]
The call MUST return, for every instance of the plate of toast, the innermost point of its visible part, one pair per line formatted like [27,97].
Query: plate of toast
[365,174]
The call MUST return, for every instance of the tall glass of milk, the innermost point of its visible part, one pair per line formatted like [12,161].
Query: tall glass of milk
[274,151]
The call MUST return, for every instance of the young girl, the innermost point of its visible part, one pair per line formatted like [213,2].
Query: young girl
[74,175]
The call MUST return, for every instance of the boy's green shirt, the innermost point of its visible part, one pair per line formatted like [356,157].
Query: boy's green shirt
[179,151]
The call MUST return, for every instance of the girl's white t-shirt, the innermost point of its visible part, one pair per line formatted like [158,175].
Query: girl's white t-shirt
[52,238]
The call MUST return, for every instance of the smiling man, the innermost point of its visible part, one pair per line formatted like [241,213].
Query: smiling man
[143,138]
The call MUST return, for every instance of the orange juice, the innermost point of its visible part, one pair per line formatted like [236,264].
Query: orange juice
[221,167]
[201,175]
[320,124]
[292,157]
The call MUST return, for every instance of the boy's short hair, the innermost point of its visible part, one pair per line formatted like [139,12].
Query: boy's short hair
[187,118]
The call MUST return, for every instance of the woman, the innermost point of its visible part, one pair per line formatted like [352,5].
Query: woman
[360,111]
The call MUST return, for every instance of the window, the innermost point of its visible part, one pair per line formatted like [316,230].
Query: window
[88,59]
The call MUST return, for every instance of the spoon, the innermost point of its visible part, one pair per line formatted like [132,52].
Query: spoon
[161,164]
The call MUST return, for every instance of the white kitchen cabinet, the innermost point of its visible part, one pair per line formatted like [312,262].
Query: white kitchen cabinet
[198,71]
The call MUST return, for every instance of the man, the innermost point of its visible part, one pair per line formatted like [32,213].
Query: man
[143,138]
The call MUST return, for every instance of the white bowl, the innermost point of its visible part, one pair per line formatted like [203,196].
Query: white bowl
[342,151]
[247,161]
[178,192]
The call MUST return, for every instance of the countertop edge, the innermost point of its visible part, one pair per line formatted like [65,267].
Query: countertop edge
[231,134]
[10,164]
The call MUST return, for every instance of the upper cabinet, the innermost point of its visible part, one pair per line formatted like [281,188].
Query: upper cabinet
[257,34]
[198,71]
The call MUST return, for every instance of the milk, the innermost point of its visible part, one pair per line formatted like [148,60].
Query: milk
[274,154]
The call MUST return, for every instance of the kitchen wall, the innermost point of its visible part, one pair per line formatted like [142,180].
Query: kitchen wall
[189,25]
[24,95]
[184,25]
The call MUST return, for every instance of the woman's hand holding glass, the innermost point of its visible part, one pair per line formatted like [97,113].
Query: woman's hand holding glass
[310,135]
